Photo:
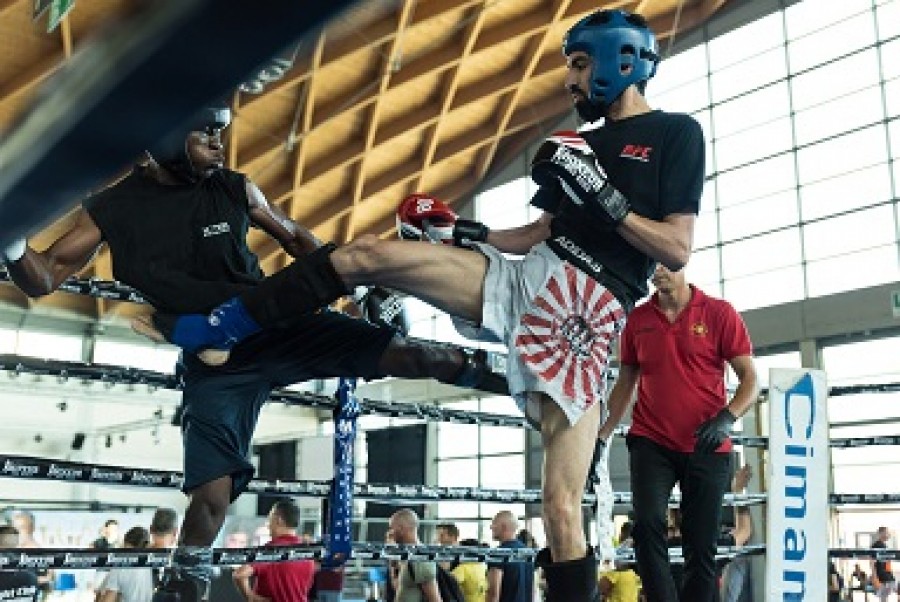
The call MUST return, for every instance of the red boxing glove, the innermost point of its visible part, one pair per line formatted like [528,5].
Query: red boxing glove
[424,217]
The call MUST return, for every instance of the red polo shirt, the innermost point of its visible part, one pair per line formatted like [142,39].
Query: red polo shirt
[682,366]
[284,581]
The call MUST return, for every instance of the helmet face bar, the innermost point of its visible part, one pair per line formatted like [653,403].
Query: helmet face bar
[212,120]
[614,40]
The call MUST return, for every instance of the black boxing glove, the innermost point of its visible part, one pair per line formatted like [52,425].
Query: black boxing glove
[561,159]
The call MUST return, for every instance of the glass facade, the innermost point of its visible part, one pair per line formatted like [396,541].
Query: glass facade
[800,109]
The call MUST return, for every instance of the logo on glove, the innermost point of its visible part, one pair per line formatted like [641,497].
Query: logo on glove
[424,217]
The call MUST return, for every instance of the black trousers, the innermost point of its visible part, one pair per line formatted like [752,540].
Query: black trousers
[703,478]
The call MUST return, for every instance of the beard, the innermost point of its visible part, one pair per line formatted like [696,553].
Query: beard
[589,111]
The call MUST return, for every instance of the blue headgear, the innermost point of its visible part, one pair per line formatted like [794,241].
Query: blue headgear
[174,157]
[613,39]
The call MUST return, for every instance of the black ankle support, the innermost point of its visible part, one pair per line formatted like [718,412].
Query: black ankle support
[572,580]
[476,374]
[306,285]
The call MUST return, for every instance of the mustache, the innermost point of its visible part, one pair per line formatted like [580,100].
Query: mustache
[575,89]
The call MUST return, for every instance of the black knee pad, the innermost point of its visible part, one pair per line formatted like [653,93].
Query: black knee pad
[311,282]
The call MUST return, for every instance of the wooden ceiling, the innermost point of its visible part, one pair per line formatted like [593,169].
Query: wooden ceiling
[396,96]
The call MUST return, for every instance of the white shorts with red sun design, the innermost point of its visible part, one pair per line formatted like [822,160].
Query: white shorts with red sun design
[559,325]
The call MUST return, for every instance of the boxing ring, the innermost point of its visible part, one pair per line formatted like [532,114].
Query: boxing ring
[337,546]
[83,110]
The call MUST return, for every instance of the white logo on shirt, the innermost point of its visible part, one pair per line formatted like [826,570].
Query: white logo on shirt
[215,229]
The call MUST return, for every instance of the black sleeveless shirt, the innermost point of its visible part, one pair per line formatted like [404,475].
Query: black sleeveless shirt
[182,246]
[657,161]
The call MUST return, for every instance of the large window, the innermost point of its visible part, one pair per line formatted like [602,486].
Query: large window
[487,457]
[802,201]
[862,470]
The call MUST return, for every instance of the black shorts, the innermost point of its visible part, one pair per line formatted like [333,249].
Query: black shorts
[222,404]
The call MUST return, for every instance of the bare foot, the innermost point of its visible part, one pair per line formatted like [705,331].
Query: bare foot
[143,325]
[214,357]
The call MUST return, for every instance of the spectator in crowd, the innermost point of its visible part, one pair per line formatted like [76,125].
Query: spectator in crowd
[859,580]
[621,584]
[509,581]
[471,575]
[281,581]
[23,521]
[109,536]
[835,584]
[525,536]
[447,534]
[416,581]
[164,528]
[16,586]
[129,585]
[883,580]
[163,534]
[328,585]
[737,584]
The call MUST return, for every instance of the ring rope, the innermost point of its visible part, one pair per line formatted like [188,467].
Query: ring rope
[79,558]
[426,410]
[29,467]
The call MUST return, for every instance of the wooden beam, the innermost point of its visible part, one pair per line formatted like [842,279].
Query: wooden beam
[375,34]
[535,48]
[476,22]
[339,205]
[305,110]
[438,60]
[388,68]
[27,79]
[6,5]
[65,34]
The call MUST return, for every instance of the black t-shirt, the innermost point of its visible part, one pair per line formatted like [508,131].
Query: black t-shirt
[182,246]
[517,581]
[657,161]
[882,567]
[18,586]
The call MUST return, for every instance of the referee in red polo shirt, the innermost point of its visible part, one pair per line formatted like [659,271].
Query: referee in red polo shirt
[282,581]
[674,349]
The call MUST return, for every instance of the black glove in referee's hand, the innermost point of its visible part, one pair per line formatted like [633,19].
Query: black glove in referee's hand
[714,432]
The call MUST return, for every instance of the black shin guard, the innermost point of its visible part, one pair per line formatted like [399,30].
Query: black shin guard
[306,285]
[475,373]
[570,581]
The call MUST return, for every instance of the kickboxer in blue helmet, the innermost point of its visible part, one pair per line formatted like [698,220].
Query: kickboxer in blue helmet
[622,51]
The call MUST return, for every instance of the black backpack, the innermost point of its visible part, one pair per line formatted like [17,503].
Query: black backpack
[447,584]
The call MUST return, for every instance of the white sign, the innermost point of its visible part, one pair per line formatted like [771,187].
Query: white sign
[797,525]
